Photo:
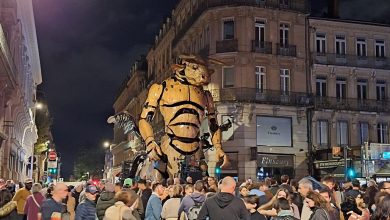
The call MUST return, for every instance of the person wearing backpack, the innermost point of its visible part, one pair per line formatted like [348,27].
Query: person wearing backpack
[193,201]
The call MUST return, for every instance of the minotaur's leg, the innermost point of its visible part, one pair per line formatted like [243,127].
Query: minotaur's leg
[174,157]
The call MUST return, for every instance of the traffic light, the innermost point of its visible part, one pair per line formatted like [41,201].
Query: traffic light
[351,173]
[52,170]
[217,170]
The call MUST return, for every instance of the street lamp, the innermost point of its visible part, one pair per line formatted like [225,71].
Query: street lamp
[106,144]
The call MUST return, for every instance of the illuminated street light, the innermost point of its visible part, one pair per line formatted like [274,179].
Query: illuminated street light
[106,144]
[38,105]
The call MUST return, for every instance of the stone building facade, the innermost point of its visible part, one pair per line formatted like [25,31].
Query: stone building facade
[20,73]
[350,76]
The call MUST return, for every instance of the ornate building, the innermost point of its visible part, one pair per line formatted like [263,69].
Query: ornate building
[350,78]
[20,73]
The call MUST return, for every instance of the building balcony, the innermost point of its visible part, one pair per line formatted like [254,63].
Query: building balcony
[351,60]
[209,4]
[262,47]
[368,105]
[286,50]
[225,46]
[253,95]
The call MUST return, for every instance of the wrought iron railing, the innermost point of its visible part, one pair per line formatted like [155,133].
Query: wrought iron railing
[300,6]
[225,46]
[350,104]
[286,50]
[351,60]
[274,97]
[261,46]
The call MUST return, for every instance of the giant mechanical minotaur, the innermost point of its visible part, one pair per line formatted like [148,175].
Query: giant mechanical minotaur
[183,104]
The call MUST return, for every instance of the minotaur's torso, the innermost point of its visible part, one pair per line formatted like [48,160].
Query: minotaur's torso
[183,108]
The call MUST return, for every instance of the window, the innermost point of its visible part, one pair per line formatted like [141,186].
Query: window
[284,81]
[260,31]
[283,3]
[283,38]
[380,48]
[383,136]
[322,133]
[229,133]
[363,132]
[260,79]
[228,29]
[228,77]
[361,47]
[321,86]
[321,43]
[342,133]
[380,90]
[362,89]
[341,89]
[340,45]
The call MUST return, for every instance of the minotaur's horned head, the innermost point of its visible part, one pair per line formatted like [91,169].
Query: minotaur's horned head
[194,69]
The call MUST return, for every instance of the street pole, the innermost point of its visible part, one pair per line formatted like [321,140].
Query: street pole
[346,162]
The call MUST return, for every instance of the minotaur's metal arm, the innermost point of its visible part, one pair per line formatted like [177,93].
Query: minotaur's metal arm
[147,115]
[215,130]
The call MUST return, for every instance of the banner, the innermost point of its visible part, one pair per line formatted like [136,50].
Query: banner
[273,131]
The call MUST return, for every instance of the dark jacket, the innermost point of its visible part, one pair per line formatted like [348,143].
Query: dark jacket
[188,201]
[86,210]
[105,200]
[319,214]
[224,206]
[76,196]
[5,196]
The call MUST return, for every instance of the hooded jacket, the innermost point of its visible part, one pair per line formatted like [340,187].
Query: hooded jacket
[224,206]
[189,201]
[105,200]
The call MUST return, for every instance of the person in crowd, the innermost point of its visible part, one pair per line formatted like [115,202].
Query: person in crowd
[21,197]
[284,179]
[71,204]
[326,193]
[165,195]
[294,185]
[105,200]
[283,208]
[139,210]
[122,209]
[251,202]
[304,186]
[86,210]
[10,185]
[382,211]
[34,202]
[188,189]
[243,191]
[268,210]
[384,187]
[176,181]
[154,205]
[355,208]
[127,183]
[118,187]
[224,205]
[170,208]
[54,204]
[212,185]
[370,193]
[330,182]
[144,193]
[264,186]
[5,193]
[189,180]
[319,207]
[76,193]
[355,191]
[196,197]
[273,187]
[255,190]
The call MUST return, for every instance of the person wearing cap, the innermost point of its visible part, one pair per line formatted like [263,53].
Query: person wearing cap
[105,200]
[20,197]
[127,183]
[86,210]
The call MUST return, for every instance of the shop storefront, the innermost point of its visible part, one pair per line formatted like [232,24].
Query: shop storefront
[275,165]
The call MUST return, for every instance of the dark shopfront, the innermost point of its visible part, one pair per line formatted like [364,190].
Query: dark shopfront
[275,165]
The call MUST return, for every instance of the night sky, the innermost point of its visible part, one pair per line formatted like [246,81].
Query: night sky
[88,46]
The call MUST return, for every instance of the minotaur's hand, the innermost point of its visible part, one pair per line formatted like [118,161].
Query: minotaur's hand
[219,153]
[154,151]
